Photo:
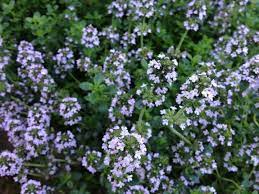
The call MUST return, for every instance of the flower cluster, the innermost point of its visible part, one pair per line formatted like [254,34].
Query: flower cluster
[69,109]
[136,9]
[64,61]
[141,8]
[161,74]
[36,141]
[196,13]
[39,115]
[90,37]
[92,160]
[237,45]
[84,64]
[151,97]
[123,152]
[142,53]
[121,106]
[128,39]
[11,123]
[65,142]
[223,13]
[142,30]
[32,71]
[162,70]
[33,186]
[118,8]
[156,175]
[10,164]
[234,46]
[114,67]
[111,34]
[201,101]
[5,86]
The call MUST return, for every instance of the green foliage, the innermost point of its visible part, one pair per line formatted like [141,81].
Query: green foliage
[54,24]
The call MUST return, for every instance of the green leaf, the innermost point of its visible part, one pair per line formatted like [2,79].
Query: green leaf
[86,86]
[98,78]
[7,8]
[144,64]
[92,98]
[196,59]
[2,87]
[179,117]
[70,184]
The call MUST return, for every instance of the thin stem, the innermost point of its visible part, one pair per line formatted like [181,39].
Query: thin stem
[35,174]
[64,161]
[11,80]
[141,41]
[73,77]
[234,183]
[251,173]
[255,120]
[27,164]
[129,27]
[177,51]
[89,52]
[129,30]
[60,160]
[19,101]
[221,111]
[228,180]
[180,136]
[141,117]
[142,37]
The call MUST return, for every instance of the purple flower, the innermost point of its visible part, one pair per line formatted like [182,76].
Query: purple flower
[90,37]
[33,187]
[10,164]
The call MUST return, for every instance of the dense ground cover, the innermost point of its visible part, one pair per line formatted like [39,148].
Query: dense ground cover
[129,96]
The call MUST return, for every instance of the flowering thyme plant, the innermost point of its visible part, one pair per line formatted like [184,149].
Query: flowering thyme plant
[129,96]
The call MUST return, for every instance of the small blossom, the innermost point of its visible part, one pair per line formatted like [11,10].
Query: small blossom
[90,37]
[10,164]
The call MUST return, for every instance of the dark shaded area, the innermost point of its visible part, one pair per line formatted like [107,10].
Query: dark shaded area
[8,186]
